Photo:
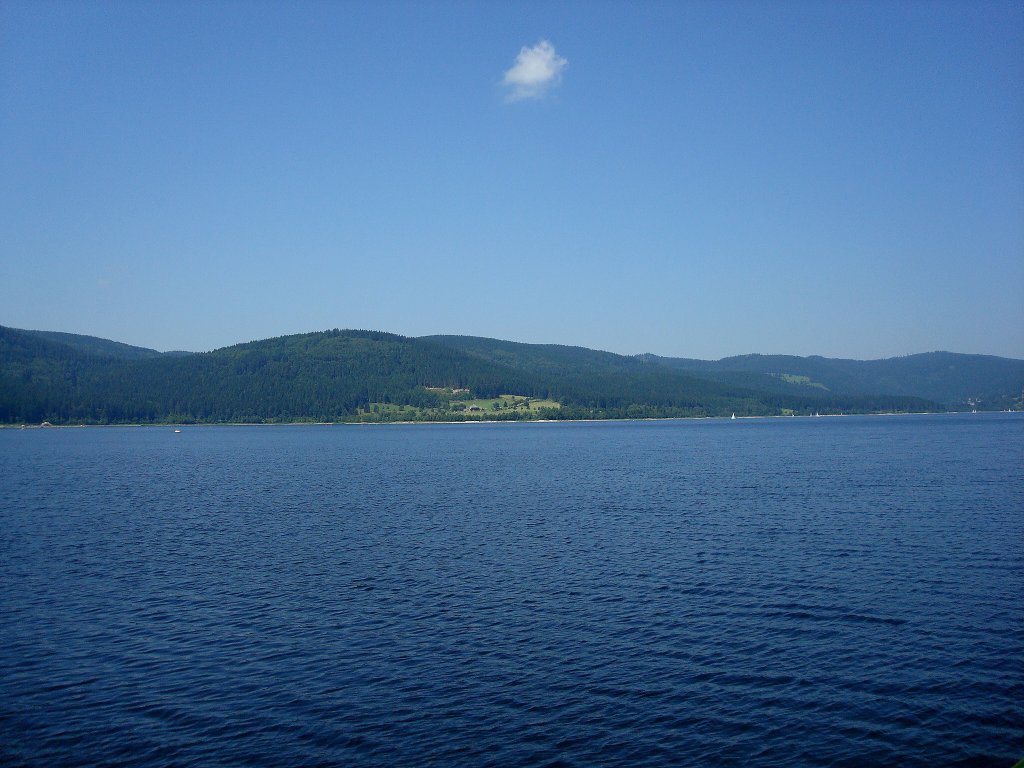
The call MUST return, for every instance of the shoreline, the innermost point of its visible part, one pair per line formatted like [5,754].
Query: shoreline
[173,425]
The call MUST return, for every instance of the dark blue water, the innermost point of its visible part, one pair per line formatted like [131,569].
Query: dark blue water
[834,591]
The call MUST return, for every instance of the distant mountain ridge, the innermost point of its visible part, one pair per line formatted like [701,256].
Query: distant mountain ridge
[949,378]
[954,379]
[375,376]
[98,346]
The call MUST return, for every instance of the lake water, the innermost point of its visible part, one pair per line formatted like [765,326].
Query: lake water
[778,592]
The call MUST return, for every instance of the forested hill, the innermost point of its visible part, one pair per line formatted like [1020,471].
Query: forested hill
[956,380]
[325,376]
[373,376]
[102,347]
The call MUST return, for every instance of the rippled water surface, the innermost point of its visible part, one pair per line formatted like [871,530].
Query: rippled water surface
[834,591]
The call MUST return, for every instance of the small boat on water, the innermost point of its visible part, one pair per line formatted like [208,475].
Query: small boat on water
[733,417]
[177,431]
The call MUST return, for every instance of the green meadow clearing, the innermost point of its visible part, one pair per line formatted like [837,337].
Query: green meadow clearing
[503,407]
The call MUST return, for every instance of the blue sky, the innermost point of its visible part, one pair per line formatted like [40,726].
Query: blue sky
[689,179]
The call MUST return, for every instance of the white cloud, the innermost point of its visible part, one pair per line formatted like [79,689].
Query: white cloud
[536,70]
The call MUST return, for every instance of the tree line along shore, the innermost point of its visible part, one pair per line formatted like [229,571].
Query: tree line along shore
[375,377]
